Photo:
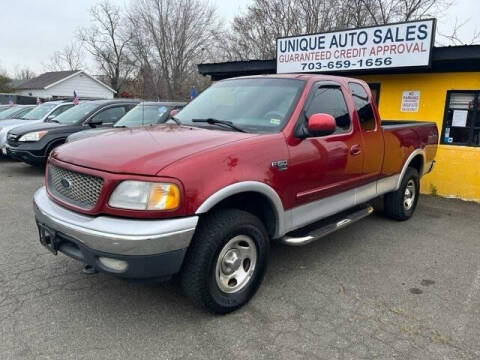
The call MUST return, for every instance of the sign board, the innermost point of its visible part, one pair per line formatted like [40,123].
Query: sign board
[410,101]
[459,118]
[388,46]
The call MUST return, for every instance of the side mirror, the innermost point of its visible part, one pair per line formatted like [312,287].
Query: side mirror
[50,117]
[95,122]
[321,124]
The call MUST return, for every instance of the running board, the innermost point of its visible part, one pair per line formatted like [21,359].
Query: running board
[328,226]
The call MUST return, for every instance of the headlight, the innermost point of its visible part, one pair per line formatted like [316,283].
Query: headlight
[139,195]
[33,136]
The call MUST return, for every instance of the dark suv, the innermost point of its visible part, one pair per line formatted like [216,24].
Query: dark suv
[33,143]
[144,114]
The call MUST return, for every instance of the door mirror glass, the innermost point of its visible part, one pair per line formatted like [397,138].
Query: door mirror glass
[321,124]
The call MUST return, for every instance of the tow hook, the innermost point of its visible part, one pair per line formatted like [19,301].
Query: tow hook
[89,270]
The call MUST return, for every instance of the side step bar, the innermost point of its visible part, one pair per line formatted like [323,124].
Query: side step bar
[327,227]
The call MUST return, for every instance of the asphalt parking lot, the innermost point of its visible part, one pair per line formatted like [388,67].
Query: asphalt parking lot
[377,290]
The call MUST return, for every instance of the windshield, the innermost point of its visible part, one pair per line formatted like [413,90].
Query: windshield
[13,111]
[39,112]
[142,115]
[254,105]
[76,113]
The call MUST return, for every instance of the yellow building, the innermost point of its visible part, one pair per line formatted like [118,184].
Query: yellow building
[457,170]
[448,93]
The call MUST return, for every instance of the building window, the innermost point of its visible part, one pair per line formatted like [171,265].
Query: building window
[461,123]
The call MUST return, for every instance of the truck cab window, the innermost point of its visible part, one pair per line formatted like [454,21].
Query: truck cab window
[363,107]
[375,90]
[330,100]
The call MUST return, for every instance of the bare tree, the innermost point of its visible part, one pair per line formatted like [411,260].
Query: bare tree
[253,33]
[71,57]
[23,73]
[388,11]
[4,81]
[149,84]
[171,39]
[453,37]
[107,41]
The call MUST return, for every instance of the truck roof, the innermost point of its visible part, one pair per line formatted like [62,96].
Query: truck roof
[303,76]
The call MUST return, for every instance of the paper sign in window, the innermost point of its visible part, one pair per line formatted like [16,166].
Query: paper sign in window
[459,118]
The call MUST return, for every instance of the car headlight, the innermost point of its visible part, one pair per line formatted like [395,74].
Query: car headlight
[140,195]
[33,136]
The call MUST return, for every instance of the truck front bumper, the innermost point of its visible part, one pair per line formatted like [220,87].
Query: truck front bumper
[123,247]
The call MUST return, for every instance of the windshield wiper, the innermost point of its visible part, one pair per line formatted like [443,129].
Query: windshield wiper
[177,120]
[212,121]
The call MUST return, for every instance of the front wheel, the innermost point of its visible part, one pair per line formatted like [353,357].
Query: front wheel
[226,261]
[401,204]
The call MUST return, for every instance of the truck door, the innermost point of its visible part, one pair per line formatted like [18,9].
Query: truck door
[327,165]
[372,134]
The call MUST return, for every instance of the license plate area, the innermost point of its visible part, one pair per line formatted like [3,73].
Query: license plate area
[48,238]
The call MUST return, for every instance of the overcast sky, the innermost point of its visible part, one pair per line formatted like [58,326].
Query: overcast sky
[32,30]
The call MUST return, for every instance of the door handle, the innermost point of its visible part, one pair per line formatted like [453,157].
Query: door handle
[355,150]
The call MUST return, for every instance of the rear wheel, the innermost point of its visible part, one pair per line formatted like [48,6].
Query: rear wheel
[401,204]
[226,261]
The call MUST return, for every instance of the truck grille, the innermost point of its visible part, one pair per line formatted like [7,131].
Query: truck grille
[78,189]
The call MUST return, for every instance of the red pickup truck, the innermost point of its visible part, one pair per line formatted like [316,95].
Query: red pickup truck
[251,160]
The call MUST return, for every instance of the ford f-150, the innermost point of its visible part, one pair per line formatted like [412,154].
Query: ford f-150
[251,160]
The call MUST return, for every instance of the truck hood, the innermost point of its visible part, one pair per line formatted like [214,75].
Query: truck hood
[143,151]
[87,133]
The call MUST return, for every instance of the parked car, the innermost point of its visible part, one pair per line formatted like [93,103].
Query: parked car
[33,143]
[15,111]
[282,157]
[44,112]
[4,107]
[146,113]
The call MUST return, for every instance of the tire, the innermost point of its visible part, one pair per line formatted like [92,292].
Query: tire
[49,150]
[229,235]
[400,205]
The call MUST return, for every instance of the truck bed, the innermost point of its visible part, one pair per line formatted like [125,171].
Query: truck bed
[402,138]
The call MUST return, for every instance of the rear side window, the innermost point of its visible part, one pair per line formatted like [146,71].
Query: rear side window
[60,110]
[330,100]
[363,106]
[110,115]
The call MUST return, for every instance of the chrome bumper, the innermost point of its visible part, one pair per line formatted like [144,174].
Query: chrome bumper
[115,235]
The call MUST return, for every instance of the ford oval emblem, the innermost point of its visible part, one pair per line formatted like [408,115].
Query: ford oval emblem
[66,183]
